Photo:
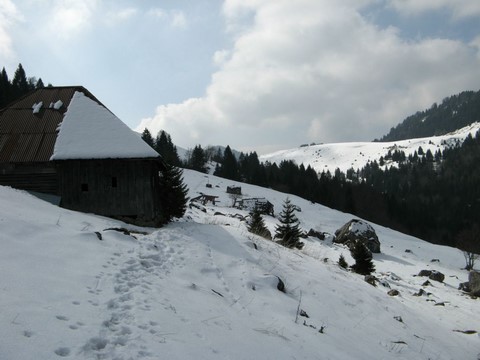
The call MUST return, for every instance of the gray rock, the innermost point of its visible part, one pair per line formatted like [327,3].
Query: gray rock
[372,280]
[465,286]
[422,292]
[474,283]
[314,233]
[358,230]
[425,273]
[384,283]
[432,275]
[393,292]
[437,276]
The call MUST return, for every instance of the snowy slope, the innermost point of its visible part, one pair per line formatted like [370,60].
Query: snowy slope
[198,288]
[328,157]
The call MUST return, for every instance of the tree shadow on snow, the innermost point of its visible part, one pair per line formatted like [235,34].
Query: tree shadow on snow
[384,257]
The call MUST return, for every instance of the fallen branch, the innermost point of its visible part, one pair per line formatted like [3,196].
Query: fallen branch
[468,332]
[216,292]
[298,308]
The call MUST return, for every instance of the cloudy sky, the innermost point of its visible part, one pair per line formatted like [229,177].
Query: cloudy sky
[257,75]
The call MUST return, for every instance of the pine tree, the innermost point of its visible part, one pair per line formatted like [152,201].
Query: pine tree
[429,156]
[5,89]
[229,167]
[363,259]
[39,84]
[164,146]
[173,193]
[147,137]
[19,86]
[197,160]
[19,82]
[342,262]
[289,229]
[31,83]
[257,226]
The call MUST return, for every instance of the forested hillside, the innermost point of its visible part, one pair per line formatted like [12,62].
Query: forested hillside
[431,195]
[453,113]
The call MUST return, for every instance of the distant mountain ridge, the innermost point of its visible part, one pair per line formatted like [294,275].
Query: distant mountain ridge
[455,112]
[329,157]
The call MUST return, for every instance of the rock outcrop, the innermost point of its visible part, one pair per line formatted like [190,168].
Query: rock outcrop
[358,230]
[474,283]
[432,275]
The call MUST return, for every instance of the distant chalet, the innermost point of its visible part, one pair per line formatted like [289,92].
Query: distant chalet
[63,141]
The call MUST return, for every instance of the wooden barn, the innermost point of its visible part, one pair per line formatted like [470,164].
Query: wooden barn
[64,142]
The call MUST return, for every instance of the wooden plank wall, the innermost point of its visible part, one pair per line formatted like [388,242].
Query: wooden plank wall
[40,177]
[111,187]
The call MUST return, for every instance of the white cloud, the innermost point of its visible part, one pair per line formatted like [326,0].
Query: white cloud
[459,8]
[71,17]
[8,15]
[475,44]
[157,12]
[313,70]
[220,57]
[118,16]
[178,19]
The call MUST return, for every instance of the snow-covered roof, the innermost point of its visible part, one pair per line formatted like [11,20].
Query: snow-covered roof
[91,131]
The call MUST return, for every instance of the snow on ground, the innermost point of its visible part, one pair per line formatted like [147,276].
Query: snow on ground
[328,157]
[199,289]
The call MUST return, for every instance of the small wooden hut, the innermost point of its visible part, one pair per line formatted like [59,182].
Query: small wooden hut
[63,141]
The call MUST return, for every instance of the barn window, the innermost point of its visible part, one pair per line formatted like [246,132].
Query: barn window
[114,181]
[84,187]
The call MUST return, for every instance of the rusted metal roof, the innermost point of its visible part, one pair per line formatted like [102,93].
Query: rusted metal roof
[26,136]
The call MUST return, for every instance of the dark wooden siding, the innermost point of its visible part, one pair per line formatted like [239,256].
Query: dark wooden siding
[40,177]
[111,187]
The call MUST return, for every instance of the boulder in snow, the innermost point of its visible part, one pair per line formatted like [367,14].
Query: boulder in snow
[314,233]
[393,292]
[372,280]
[437,276]
[358,230]
[425,273]
[465,286]
[432,275]
[474,282]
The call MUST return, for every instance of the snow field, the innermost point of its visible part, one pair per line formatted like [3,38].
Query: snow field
[198,288]
[328,157]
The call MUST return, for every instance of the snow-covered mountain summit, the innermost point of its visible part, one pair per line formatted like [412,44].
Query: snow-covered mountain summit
[328,157]
[80,286]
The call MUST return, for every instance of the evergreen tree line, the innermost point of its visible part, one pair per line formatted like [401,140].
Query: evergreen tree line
[434,196]
[163,144]
[287,177]
[17,87]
